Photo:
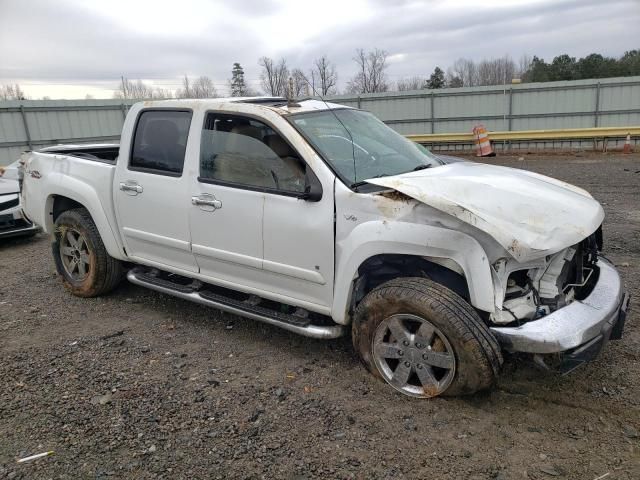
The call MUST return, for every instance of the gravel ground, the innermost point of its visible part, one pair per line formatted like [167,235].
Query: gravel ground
[141,385]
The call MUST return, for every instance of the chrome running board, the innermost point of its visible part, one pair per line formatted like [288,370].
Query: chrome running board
[288,322]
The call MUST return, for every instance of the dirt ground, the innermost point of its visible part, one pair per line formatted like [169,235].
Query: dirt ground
[141,385]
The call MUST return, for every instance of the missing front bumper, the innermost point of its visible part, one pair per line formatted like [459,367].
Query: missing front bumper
[577,325]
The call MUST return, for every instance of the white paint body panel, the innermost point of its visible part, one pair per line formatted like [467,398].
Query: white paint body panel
[155,223]
[231,234]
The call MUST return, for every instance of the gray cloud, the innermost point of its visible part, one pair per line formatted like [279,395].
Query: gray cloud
[62,42]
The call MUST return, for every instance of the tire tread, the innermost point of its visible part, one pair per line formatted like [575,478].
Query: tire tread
[472,331]
[109,270]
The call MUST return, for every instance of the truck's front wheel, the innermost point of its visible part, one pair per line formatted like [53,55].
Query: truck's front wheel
[425,340]
[81,259]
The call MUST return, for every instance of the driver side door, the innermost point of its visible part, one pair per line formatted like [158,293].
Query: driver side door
[250,226]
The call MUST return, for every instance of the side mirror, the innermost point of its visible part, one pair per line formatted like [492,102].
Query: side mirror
[312,187]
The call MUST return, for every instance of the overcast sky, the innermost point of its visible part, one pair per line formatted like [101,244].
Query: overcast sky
[70,48]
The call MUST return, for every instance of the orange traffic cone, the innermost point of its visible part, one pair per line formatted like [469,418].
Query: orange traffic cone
[627,144]
[483,144]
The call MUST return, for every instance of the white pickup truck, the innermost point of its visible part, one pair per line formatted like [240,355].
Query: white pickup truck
[320,219]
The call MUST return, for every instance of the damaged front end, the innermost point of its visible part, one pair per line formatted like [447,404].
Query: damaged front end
[563,310]
[554,294]
[543,286]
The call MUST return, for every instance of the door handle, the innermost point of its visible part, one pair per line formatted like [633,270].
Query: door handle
[209,202]
[131,188]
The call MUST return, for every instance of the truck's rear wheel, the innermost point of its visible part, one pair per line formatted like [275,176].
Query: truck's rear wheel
[425,340]
[81,259]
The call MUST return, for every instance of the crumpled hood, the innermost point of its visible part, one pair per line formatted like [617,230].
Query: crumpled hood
[529,214]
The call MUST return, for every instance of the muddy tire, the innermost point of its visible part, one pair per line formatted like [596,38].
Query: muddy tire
[425,340]
[81,259]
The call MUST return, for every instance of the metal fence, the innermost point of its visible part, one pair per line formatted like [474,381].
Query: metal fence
[611,102]
[33,124]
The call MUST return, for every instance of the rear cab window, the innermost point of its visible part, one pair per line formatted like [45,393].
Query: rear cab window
[160,141]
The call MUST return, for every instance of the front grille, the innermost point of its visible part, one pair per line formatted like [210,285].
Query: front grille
[5,205]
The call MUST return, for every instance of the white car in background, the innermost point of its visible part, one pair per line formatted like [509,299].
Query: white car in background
[12,221]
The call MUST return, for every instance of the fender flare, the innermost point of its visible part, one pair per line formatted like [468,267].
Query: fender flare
[85,195]
[383,237]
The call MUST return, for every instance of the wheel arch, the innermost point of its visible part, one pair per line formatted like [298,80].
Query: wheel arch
[452,258]
[56,204]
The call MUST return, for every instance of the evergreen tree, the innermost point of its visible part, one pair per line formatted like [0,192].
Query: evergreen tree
[563,67]
[538,71]
[592,66]
[437,79]
[630,63]
[238,87]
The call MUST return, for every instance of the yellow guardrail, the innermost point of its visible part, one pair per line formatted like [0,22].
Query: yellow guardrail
[560,134]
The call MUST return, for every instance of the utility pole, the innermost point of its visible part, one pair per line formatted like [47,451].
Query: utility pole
[124,88]
[290,92]
[291,102]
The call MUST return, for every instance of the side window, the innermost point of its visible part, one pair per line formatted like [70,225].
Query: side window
[245,152]
[160,141]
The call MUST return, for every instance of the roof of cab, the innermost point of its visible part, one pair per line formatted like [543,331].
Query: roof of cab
[277,104]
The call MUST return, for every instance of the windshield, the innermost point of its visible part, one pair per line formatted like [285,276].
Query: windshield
[359,146]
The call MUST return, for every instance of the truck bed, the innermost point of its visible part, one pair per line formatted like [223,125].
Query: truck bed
[81,173]
[102,152]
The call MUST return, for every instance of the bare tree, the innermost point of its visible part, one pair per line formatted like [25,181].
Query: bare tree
[496,71]
[453,79]
[201,87]
[139,90]
[371,76]
[524,64]
[160,93]
[466,70]
[300,83]
[185,91]
[492,71]
[487,72]
[411,83]
[12,92]
[274,76]
[324,76]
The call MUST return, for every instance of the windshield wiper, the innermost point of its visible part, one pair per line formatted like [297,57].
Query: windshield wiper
[422,167]
[364,182]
